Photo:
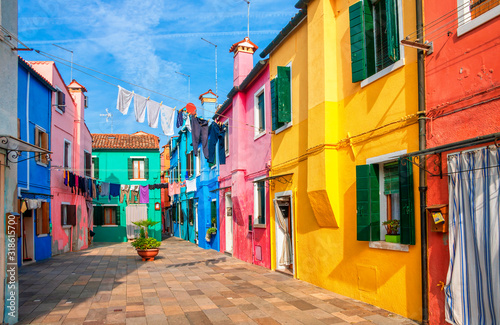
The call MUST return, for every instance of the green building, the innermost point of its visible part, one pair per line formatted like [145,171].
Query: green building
[126,159]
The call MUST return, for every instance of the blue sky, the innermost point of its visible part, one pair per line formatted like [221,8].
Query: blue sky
[145,42]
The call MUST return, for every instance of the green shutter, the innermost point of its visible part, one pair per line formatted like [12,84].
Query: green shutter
[130,168]
[95,161]
[118,215]
[362,46]
[213,213]
[146,168]
[98,216]
[391,178]
[274,105]
[367,203]
[392,29]
[406,201]
[284,97]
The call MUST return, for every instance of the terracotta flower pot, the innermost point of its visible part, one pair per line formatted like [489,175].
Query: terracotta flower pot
[148,254]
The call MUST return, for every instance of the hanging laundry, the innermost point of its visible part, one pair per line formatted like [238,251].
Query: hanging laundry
[191,185]
[144,194]
[34,204]
[191,108]
[140,107]
[167,120]
[216,134]
[180,119]
[200,132]
[23,207]
[124,99]
[134,194]
[153,113]
[66,177]
[104,189]
[124,191]
[188,123]
[114,190]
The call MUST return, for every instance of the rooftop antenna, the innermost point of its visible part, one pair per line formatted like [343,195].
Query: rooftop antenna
[216,97]
[248,17]
[108,117]
[189,83]
[71,78]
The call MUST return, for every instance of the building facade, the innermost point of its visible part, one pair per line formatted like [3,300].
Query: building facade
[462,128]
[166,217]
[244,197]
[126,160]
[342,129]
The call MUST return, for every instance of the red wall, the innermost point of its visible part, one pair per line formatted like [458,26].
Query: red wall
[461,90]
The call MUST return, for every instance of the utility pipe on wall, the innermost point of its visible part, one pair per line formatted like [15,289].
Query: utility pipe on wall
[27,188]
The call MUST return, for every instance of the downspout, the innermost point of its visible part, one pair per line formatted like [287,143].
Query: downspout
[422,177]
[27,188]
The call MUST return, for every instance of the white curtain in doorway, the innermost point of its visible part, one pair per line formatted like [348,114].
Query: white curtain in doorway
[473,281]
[286,253]
[135,212]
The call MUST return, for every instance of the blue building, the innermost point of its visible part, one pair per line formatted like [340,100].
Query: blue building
[194,211]
[34,127]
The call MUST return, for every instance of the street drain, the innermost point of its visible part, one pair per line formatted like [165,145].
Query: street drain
[116,310]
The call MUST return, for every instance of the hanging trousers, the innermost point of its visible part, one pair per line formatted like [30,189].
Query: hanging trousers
[199,131]
[216,133]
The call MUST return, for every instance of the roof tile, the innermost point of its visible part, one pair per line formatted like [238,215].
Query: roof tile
[138,140]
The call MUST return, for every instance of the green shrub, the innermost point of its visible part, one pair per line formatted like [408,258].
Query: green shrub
[146,243]
[212,230]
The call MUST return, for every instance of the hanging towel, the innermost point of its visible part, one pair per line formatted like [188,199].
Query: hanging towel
[180,119]
[144,194]
[167,120]
[200,133]
[140,107]
[153,113]
[191,185]
[124,99]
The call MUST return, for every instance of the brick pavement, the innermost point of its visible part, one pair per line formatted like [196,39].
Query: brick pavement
[109,284]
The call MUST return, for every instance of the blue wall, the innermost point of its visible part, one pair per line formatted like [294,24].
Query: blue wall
[34,96]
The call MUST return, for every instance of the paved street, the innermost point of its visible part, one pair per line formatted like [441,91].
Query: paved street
[109,284]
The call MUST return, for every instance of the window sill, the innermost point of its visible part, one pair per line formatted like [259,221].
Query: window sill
[227,154]
[42,235]
[138,179]
[259,135]
[474,23]
[259,226]
[109,226]
[389,246]
[283,128]
[66,226]
[58,110]
[383,73]
[39,163]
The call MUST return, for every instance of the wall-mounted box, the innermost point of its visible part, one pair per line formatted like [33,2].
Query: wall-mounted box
[439,217]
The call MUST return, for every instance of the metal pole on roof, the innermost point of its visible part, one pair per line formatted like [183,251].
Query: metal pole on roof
[189,83]
[248,17]
[216,97]
[71,76]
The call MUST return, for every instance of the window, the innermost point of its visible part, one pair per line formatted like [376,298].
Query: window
[67,154]
[374,30]
[191,211]
[43,219]
[384,191]
[181,214]
[474,13]
[190,164]
[281,99]
[42,141]
[259,113]
[106,215]
[259,199]
[226,138]
[213,214]
[60,100]
[87,163]
[95,167]
[198,163]
[138,168]
[68,215]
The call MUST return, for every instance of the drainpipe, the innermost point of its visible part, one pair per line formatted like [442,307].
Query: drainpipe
[27,188]
[422,180]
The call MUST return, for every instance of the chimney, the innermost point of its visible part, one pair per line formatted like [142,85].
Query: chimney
[77,92]
[208,101]
[243,59]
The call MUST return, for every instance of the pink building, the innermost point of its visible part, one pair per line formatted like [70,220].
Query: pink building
[71,144]
[244,201]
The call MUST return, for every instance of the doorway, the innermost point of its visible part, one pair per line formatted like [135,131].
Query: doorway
[285,204]
[229,223]
[28,237]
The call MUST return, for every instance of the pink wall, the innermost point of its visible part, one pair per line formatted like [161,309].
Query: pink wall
[68,126]
[460,73]
[248,159]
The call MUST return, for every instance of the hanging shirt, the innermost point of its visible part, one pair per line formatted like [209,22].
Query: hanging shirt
[153,113]
[140,107]
[167,120]
[188,123]
[104,189]
[124,99]
[144,194]
[114,190]
[180,119]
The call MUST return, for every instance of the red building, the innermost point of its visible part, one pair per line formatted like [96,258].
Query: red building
[463,121]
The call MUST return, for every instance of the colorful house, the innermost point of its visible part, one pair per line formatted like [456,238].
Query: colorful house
[71,146]
[345,114]
[34,121]
[244,197]
[126,159]
[166,218]
[463,124]
[175,209]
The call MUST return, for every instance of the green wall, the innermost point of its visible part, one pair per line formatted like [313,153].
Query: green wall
[113,168]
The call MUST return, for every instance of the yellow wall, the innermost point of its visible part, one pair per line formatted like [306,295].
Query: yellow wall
[327,107]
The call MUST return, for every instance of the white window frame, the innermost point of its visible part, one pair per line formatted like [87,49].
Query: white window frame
[198,164]
[226,138]
[466,24]
[133,168]
[85,152]
[92,168]
[396,65]
[109,206]
[69,153]
[39,162]
[256,205]
[56,97]
[256,112]
[65,224]
[289,124]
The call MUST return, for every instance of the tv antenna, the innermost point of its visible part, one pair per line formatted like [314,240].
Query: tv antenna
[108,117]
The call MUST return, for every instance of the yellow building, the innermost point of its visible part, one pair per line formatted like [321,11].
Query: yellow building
[349,112]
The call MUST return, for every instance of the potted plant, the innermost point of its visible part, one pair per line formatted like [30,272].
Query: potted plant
[210,232]
[146,247]
[392,228]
